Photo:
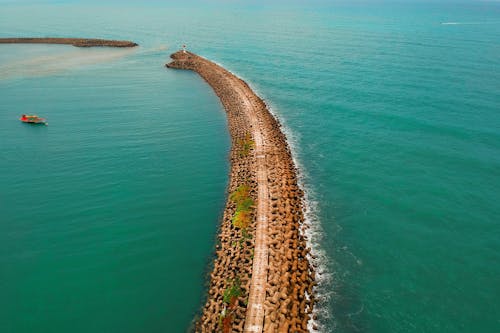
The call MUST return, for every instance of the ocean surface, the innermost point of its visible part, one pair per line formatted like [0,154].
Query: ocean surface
[108,215]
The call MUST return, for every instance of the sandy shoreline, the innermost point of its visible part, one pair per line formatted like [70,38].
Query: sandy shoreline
[78,42]
[262,280]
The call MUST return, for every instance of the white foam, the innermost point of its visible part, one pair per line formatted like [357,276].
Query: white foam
[311,227]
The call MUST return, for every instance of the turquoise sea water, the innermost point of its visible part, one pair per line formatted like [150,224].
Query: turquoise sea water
[108,216]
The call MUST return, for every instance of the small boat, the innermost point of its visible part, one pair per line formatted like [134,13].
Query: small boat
[33,119]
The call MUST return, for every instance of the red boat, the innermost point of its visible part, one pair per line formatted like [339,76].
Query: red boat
[33,119]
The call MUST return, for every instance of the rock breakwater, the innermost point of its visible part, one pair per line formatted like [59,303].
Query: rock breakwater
[78,42]
[262,280]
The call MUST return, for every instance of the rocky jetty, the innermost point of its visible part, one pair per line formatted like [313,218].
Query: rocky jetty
[79,42]
[262,280]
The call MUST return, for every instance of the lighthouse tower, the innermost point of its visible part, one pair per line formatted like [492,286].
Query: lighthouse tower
[183,48]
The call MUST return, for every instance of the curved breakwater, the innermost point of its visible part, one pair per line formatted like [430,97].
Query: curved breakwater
[262,280]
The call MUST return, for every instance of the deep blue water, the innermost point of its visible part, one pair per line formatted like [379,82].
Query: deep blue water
[108,215]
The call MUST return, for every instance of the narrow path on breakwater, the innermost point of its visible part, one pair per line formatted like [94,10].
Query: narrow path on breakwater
[262,282]
[78,42]
[255,309]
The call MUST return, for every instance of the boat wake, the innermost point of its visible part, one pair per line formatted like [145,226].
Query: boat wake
[469,23]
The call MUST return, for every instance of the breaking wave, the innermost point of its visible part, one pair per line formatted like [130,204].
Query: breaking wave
[311,228]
